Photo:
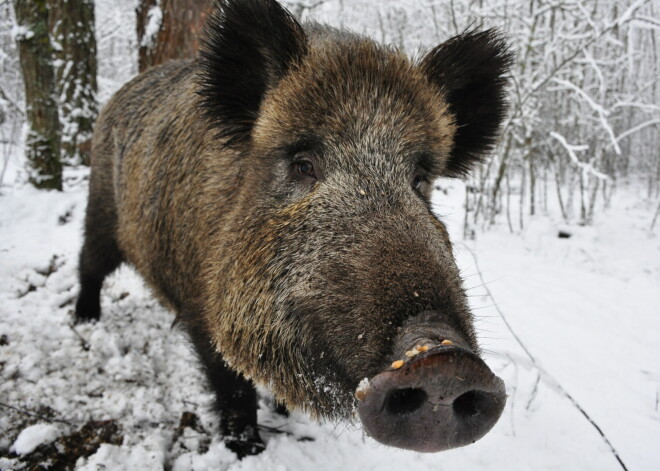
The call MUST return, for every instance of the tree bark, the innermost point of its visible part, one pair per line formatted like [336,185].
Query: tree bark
[42,145]
[169,29]
[72,27]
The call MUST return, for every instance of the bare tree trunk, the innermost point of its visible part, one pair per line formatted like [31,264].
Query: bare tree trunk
[657,178]
[169,29]
[469,232]
[523,186]
[572,183]
[149,20]
[559,197]
[508,204]
[72,26]
[583,207]
[501,172]
[532,178]
[42,145]
[592,202]
[545,188]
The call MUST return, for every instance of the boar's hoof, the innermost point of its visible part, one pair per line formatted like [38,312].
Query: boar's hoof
[86,310]
[281,409]
[443,398]
[245,446]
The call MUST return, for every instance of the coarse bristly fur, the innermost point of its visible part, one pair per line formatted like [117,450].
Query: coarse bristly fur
[299,283]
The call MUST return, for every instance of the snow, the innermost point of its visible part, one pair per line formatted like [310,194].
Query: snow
[585,309]
[33,436]
[146,456]
[362,388]
[218,457]
[21,32]
[154,21]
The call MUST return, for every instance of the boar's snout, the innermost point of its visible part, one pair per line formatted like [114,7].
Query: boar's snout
[443,397]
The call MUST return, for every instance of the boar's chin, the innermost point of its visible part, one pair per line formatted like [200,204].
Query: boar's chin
[329,399]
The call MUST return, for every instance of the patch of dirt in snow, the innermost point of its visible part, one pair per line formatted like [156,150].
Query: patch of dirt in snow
[65,452]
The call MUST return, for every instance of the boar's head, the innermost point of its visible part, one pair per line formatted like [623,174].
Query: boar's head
[333,265]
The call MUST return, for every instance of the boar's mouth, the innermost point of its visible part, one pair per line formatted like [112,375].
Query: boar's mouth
[442,398]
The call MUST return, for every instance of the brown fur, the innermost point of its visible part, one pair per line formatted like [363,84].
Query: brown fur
[302,290]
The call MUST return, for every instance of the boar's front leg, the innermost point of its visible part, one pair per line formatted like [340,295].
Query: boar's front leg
[236,398]
[100,254]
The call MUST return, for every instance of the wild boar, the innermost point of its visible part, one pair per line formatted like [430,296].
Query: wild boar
[274,193]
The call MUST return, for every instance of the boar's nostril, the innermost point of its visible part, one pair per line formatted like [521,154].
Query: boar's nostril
[405,401]
[472,403]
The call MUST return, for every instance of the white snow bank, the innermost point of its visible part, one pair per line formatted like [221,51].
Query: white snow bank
[154,20]
[31,437]
[147,456]
[218,456]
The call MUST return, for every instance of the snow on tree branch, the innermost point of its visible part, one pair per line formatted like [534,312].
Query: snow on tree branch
[602,112]
[586,167]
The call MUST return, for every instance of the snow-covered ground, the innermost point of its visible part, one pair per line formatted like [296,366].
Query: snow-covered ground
[586,309]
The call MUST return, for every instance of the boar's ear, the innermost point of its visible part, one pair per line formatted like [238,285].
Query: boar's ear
[470,69]
[247,47]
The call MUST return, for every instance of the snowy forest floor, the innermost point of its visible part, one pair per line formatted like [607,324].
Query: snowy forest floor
[126,393]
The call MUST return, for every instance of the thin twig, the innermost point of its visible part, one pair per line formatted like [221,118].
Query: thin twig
[32,414]
[655,218]
[14,106]
[547,376]
[272,429]
[84,342]
[535,391]
[513,395]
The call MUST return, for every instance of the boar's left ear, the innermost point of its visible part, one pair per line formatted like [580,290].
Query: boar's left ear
[247,47]
[470,69]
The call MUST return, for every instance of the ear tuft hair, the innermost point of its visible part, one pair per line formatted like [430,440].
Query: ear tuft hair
[471,69]
[247,47]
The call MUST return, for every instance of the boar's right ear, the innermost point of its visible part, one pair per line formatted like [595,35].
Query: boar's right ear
[471,70]
[247,47]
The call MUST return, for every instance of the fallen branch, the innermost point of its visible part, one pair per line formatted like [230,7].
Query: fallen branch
[33,414]
[83,342]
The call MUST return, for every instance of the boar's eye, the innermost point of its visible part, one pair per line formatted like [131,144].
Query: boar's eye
[305,169]
[417,182]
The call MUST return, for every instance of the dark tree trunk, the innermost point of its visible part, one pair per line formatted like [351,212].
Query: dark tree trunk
[168,29]
[42,145]
[72,27]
